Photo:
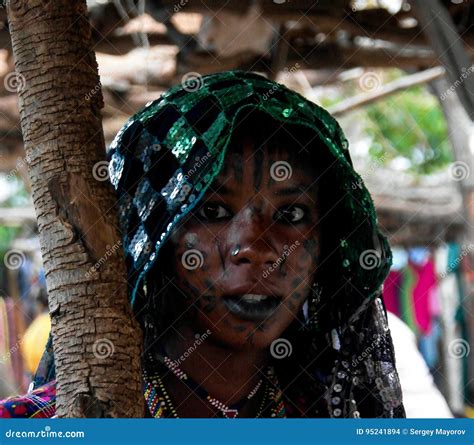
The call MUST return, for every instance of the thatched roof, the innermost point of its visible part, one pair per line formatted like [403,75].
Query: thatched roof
[141,54]
[411,209]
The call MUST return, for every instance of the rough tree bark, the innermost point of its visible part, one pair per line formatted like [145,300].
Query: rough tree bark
[96,341]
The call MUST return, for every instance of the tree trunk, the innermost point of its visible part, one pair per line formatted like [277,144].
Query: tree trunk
[97,343]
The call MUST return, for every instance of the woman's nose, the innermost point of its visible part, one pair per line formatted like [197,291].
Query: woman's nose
[251,245]
[256,254]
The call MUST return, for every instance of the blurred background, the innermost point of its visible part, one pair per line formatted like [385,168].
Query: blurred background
[397,74]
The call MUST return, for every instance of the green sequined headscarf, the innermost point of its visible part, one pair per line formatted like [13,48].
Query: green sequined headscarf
[186,132]
[167,155]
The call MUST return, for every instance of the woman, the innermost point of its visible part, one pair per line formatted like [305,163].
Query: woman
[254,258]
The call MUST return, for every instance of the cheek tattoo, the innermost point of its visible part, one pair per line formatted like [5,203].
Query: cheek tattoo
[311,246]
[207,303]
[190,240]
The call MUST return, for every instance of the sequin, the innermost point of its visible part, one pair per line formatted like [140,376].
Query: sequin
[228,98]
[337,387]
[380,317]
[145,199]
[138,242]
[115,169]
[181,138]
[336,343]
[176,190]
[214,133]
[370,368]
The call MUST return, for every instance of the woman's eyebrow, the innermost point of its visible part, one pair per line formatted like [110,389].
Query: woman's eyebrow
[221,189]
[297,189]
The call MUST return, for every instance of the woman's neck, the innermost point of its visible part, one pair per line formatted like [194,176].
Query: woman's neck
[226,374]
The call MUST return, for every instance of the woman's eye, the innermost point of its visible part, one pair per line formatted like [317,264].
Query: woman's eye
[213,212]
[291,214]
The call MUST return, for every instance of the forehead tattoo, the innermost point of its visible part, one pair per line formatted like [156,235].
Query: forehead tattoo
[258,161]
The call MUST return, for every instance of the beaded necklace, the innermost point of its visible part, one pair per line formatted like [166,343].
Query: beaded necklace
[227,411]
[160,405]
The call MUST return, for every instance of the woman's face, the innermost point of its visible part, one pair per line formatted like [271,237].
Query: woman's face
[245,258]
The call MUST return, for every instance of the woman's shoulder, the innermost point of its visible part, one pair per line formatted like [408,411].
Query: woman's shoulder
[39,403]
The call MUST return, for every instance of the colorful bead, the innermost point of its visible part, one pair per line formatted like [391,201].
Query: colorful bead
[159,402]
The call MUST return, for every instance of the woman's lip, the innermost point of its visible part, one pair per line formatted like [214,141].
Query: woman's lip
[251,296]
[249,290]
[250,308]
